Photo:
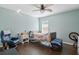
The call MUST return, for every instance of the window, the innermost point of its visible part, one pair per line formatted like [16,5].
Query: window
[45,27]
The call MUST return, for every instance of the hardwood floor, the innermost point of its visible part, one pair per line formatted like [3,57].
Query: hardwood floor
[37,49]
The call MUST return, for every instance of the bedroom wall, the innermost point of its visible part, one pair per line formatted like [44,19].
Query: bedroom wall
[63,24]
[10,20]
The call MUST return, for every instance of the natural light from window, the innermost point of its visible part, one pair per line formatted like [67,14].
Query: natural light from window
[45,27]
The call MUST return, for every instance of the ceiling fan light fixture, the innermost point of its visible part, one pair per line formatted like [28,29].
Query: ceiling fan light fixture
[42,11]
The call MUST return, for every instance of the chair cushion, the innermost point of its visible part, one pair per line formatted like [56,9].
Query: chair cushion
[57,42]
[11,44]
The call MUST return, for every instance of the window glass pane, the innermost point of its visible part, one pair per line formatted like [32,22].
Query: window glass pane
[45,27]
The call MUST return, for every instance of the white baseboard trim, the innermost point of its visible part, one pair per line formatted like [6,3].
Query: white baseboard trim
[68,43]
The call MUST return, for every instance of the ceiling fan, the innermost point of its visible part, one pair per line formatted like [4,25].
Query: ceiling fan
[42,8]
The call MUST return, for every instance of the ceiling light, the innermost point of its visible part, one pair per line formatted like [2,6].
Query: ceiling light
[19,10]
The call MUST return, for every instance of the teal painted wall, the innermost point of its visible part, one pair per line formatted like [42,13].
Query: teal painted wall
[63,24]
[10,20]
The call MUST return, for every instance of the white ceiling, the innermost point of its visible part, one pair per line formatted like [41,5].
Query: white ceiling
[28,9]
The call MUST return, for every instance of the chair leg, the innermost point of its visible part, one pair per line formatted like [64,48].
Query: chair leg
[5,45]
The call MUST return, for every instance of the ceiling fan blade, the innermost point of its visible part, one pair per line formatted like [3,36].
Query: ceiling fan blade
[50,10]
[36,6]
[36,10]
[48,5]
[42,11]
